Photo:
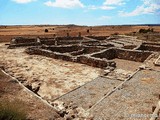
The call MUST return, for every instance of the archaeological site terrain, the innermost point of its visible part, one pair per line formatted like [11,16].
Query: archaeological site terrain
[82,72]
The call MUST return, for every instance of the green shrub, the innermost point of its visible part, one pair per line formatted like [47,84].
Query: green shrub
[12,110]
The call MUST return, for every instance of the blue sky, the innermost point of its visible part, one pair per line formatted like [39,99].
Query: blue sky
[81,12]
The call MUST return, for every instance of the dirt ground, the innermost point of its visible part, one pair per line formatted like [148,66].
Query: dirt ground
[55,77]
[34,108]
[8,32]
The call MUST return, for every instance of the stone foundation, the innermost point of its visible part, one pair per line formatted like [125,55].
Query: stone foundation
[73,54]
[150,47]
[133,55]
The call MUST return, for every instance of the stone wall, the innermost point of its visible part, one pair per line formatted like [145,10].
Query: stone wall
[23,45]
[109,54]
[63,49]
[48,42]
[91,61]
[48,53]
[68,38]
[151,43]
[129,46]
[98,37]
[133,55]
[95,62]
[23,41]
[20,40]
[79,52]
[92,49]
[68,42]
[147,47]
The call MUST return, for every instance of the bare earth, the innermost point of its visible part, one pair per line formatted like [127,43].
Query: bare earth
[35,109]
[8,32]
[55,77]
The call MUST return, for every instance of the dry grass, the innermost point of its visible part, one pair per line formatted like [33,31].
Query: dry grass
[6,33]
[12,110]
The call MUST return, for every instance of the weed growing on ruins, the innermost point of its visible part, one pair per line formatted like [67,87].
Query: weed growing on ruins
[12,110]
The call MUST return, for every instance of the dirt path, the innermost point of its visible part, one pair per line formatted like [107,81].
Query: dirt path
[55,77]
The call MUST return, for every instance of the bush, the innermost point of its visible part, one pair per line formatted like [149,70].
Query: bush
[46,30]
[12,110]
[145,30]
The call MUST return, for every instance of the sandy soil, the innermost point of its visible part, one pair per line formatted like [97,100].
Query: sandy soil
[55,77]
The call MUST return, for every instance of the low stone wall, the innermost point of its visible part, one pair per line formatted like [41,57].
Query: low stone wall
[79,52]
[63,49]
[133,55]
[147,47]
[84,42]
[23,45]
[151,43]
[48,42]
[95,62]
[92,49]
[98,37]
[109,54]
[129,46]
[91,61]
[74,49]
[48,53]
[20,40]
[69,38]
[68,42]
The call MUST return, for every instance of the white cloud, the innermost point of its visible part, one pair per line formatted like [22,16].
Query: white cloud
[23,1]
[108,5]
[103,7]
[114,2]
[105,18]
[148,7]
[64,3]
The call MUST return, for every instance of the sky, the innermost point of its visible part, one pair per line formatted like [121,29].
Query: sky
[79,12]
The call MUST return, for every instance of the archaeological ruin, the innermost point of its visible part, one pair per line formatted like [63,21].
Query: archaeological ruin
[118,75]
